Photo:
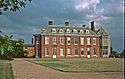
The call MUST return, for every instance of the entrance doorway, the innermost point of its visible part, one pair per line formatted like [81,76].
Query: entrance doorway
[54,52]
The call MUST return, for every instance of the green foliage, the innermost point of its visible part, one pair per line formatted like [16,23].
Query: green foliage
[10,48]
[123,53]
[12,5]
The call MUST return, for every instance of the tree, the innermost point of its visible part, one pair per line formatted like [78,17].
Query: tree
[18,47]
[6,47]
[12,5]
[123,53]
[10,48]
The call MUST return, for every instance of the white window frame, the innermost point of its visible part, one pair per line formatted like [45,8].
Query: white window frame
[68,30]
[61,52]
[54,50]
[75,40]
[81,31]
[87,32]
[82,40]
[69,39]
[54,40]
[46,40]
[94,41]
[88,41]
[88,50]
[68,52]
[46,51]
[94,51]
[53,30]
[74,30]
[76,51]
[82,49]
[61,40]
[61,31]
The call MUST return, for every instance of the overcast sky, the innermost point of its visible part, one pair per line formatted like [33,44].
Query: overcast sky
[30,20]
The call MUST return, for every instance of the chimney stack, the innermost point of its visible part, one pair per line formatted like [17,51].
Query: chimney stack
[92,26]
[66,23]
[83,25]
[50,22]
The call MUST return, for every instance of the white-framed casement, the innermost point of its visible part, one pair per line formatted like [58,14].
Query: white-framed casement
[75,40]
[54,52]
[53,30]
[82,40]
[46,52]
[81,31]
[88,40]
[94,51]
[67,30]
[74,30]
[68,52]
[88,52]
[94,41]
[82,52]
[87,32]
[61,40]
[46,39]
[76,51]
[61,52]
[60,30]
[68,40]
[54,40]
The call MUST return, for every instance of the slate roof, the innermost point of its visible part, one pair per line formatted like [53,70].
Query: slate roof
[48,30]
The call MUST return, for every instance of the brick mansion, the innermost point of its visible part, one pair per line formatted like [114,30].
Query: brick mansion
[63,41]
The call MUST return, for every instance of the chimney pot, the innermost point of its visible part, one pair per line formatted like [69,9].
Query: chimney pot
[83,25]
[92,26]
[66,23]
[50,22]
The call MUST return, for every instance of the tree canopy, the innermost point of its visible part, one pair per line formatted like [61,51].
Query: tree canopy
[10,48]
[12,5]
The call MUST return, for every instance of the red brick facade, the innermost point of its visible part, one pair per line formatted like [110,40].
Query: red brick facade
[72,46]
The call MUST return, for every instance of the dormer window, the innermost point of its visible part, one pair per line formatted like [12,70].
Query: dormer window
[61,31]
[75,31]
[53,30]
[87,31]
[81,31]
[68,30]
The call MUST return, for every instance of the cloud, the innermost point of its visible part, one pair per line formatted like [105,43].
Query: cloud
[86,4]
[29,20]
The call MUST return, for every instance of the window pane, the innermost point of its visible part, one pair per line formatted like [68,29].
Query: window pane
[54,40]
[82,40]
[61,51]
[68,40]
[46,40]
[69,51]
[76,51]
[61,40]
[54,51]
[94,41]
[76,40]
[82,51]
[88,51]
[88,41]
[46,51]
[94,51]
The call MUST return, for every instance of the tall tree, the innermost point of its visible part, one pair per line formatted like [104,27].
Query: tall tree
[12,5]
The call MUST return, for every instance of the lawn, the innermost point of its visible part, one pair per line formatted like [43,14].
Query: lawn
[83,64]
[6,70]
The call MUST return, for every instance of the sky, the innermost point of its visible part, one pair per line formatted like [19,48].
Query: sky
[31,19]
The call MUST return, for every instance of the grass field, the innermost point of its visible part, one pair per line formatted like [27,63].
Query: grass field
[83,64]
[6,70]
